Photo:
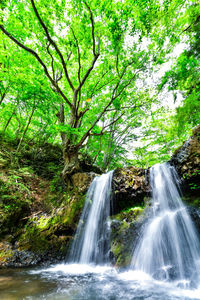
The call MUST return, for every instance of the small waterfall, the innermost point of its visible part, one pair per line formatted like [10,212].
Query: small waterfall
[92,238]
[169,248]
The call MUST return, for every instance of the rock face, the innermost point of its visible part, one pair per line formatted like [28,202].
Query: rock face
[125,232]
[131,196]
[130,187]
[81,181]
[186,160]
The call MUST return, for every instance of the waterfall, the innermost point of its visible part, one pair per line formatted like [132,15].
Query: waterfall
[169,248]
[92,243]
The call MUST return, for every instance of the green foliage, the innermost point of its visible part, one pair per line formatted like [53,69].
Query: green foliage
[184,74]
[98,117]
[34,109]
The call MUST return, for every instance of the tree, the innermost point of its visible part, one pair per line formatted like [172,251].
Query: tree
[85,97]
[184,75]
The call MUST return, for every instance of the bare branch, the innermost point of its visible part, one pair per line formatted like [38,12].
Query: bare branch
[51,41]
[102,86]
[79,116]
[3,94]
[114,121]
[195,22]
[98,45]
[110,124]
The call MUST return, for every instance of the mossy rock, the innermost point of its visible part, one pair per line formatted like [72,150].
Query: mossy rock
[130,187]
[6,252]
[186,160]
[125,228]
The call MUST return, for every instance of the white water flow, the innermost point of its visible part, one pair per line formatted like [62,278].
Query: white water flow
[169,248]
[92,239]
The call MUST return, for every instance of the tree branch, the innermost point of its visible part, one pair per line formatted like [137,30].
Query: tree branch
[51,41]
[79,55]
[3,94]
[120,78]
[128,107]
[189,27]
[117,65]
[126,85]
[95,122]
[102,86]
[88,71]
[110,124]
[92,22]
[39,60]
[79,116]
[52,60]
[69,55]
[96,55]
[79,72]
[114,121]
[97,83]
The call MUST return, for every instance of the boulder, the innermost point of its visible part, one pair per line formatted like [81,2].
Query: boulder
[125,232]
[186,160]
[130,186]
[82,181]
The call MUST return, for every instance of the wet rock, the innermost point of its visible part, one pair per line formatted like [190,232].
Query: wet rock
[186,160]
[130,187]
[126,228]
[195,215]
[12,257]
[82,181]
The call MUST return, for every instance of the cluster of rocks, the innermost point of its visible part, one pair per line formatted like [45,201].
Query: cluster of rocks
[13,257]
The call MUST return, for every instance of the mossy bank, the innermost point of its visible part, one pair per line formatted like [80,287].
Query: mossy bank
[38,216]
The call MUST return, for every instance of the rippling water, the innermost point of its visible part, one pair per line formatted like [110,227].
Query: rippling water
[87,282]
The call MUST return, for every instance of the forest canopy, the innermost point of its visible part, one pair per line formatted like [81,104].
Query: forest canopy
[82,74]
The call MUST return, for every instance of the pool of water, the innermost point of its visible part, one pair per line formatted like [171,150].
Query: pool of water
[87,282]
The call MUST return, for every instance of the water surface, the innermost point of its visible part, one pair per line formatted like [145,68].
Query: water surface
[87,282]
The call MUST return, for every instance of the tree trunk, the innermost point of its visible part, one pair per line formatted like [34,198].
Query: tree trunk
[71,163]
[8,122]
[2,97]
[26,129]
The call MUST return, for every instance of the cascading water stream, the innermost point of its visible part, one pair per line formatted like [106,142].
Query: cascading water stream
[91,242]
[169,248]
